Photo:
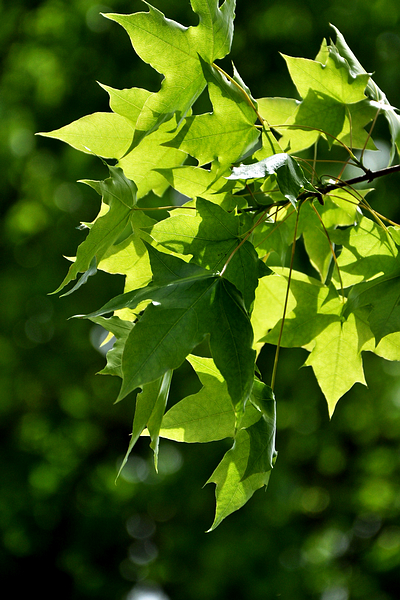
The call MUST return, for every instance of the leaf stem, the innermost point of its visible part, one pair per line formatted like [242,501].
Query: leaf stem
[368,177]
[369,134]
[278,346]
[332,250]
[164,207]
[248,99]
[245,238]
[245,94]
[285,126]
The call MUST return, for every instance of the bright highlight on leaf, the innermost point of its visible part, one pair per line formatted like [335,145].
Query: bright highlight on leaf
[243,187]
[290,177]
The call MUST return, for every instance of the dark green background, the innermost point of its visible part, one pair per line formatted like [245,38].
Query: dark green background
[328,527]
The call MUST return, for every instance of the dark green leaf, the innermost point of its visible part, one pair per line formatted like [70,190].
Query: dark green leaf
[262,434]
[211,236]
[150,407]
[120,329]
[233,490]
[183,311]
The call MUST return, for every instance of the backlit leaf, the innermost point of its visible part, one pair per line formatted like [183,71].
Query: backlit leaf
[225,134]
[106,134]
[196,182]
[367,251]
[382,296]
[211,235]
[173,50]
[331,79]
[336,360]
[150,407]
[233,489]
[208,415]
[140,163]
[119,193]
[188,303]
[312,307]
[346,57]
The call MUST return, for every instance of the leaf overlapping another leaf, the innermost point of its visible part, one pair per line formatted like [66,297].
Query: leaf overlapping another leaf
[211,235]
[119,196]
[344,54]
[208,415]
[247,466]
[314,321]
[174,51]
[382,297]
[333,105]
[188,303]
[196,182]
[220,290]
[290,176]
[228,132]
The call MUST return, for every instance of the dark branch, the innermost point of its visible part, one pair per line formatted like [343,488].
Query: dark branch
[367,177]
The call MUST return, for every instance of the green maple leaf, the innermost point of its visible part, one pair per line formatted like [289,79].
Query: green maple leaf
[196,182]
[211,235]
[316,240]
[382,297]
[323,113]
[280,113]
[149,411]
[110,135]
[120,329]
[314,321]
[130,257]
[232,491]
[247,466]
[262,433]
[327,92]
[174,51]
[331,79]
[228,132]
[367,251]
[277,111]
[339,209]
[333,104]
[208,415]
[336,360]
[357,117]
[344,56]
[388,347]
[188,303]
[105,134]
[128,102]
[119,199]
[272,241]
[312,307]
[141,163]
[289,175]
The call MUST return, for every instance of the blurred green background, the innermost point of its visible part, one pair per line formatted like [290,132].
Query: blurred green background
[329,525]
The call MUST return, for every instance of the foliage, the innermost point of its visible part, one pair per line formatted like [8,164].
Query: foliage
[215,280]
